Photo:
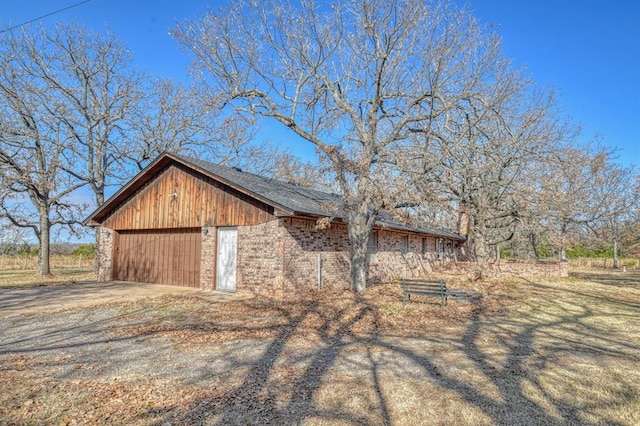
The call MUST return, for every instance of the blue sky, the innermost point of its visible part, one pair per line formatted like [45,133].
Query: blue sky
[588,50]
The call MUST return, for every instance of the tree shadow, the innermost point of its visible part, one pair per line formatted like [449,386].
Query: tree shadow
[491,364]
[529,347]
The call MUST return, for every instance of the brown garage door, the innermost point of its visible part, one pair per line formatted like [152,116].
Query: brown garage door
[164,256]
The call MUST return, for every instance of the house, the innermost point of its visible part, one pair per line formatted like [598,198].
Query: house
[184,221]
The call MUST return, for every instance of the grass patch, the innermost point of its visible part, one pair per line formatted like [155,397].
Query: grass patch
[13,279]
[532,351]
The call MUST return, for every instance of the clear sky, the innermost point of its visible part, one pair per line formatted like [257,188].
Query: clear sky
[589,50]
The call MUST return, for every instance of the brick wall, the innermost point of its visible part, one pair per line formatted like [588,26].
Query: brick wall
[392,263]
[105,238]
[207,258]
[259,259]
[279,259]
[303,242]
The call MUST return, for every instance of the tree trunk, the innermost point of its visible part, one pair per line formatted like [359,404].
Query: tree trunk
[44,237]
[358,238]
[534,245]
[616,264]
[359,228]
[481,250]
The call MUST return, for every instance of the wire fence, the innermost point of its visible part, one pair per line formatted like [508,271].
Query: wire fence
[57,261]
[603,262]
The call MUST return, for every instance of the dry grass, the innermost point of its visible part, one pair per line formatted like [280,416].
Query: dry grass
[557,351]
[57,261]
[12,279]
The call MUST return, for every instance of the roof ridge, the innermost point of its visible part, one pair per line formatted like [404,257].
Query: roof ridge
[195,161]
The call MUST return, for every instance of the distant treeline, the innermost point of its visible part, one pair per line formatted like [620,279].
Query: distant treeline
[31,250]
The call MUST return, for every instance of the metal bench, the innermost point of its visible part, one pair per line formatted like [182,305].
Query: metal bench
[424,288]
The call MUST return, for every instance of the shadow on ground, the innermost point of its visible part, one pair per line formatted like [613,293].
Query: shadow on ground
[563,352]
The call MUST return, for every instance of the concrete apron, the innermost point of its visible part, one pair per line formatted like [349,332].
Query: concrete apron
[34,300]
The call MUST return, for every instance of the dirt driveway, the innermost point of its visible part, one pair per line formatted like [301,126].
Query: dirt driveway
[31,300]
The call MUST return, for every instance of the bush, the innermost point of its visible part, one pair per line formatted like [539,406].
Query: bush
[85,250]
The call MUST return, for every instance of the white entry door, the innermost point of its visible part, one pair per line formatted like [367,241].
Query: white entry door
[226,264]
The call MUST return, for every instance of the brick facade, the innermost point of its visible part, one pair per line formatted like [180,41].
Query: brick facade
[259,261]
[280,258]
[284,258]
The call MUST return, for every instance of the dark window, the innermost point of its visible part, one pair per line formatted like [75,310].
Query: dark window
[372,247]
[439,248]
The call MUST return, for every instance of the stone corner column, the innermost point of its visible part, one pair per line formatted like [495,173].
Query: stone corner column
[207,258]
[105,241]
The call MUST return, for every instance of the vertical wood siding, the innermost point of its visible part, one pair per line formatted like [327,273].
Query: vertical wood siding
[159,256]
[198,201]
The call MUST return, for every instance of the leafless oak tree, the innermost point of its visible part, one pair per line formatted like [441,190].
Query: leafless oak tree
[361,80]
[33,149]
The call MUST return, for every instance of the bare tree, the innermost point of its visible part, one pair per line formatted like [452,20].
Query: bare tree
[488,164]
[615,198]
[291,169]
[175,118]
[96,90]
[12,238]
[33,149]
[358,80]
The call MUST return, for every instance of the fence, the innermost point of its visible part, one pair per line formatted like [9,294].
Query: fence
[16,262]
[605,263]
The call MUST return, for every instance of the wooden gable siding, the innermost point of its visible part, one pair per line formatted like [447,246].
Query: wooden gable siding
[199,201]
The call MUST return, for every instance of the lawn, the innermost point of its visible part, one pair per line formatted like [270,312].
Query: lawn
[28,278]
[532,351]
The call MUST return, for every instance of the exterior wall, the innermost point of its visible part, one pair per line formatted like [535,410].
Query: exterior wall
[208,259]
[304,243]
[260,260]
[178,197]
[279,259]
[391,263]
[105,238]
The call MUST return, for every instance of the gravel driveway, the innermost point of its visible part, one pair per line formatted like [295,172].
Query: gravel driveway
[32,300]
[87,343]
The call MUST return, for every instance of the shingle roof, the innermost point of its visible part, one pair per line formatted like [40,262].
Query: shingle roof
[298,199]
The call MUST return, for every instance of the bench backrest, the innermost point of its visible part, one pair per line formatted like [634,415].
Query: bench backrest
[426,286]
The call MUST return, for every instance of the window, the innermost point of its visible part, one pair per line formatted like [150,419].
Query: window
[439,248]
[425,248]
[404,244]
[372,247]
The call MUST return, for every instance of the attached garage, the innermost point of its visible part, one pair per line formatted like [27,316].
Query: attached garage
[162,256]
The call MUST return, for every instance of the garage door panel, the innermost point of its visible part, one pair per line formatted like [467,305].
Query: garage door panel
[159,256]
